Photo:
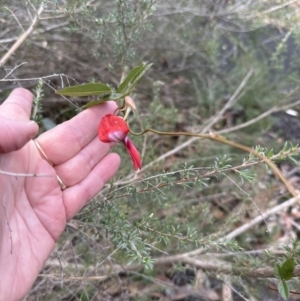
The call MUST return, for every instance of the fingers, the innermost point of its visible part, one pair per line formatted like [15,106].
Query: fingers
[77,168]
[67,139]
[77,196]
[16,128]
[18,105]
[15,134]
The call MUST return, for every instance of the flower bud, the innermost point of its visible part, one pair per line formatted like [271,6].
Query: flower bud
[130,102]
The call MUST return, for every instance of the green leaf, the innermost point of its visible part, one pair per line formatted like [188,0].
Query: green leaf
[287,269]
[277,271]
[283,289]
[112,96]
[294,160]
[130,77]
[85,90]
[140,75]
[133,77]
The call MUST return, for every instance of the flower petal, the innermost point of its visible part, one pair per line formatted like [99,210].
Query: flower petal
[116,136]
[112,128]
[133,152]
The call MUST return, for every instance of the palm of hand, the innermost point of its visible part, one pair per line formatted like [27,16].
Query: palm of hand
[35,214]
[34,209]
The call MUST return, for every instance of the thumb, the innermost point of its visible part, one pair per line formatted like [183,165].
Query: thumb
[16,128]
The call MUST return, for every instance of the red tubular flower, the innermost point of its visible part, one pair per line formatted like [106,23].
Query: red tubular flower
[113,128]
[133,152]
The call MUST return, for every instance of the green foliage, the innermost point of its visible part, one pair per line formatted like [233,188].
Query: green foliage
[37,109]
[283,289]
[116,30]
[105,92]
[132,78]
[85,90]
[284,273]
[284,268]
[190,196]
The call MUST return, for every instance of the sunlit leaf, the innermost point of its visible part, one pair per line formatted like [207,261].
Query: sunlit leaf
[85,90]
[129,78]
[133,77]
[283,290]
[112,96]
[294,160]
[277,271]
[287,269]
[140,75]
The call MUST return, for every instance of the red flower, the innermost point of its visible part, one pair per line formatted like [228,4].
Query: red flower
[113,128]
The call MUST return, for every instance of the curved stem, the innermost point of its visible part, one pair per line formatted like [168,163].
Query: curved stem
[23,36]
[223,140]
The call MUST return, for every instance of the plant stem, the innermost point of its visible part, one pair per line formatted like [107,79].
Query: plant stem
[223,140]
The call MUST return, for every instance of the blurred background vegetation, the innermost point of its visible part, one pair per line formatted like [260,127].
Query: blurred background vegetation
[180,228]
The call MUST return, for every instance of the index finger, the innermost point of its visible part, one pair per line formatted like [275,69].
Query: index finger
[67,139]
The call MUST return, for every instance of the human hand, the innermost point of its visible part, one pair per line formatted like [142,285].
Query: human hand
[34,210]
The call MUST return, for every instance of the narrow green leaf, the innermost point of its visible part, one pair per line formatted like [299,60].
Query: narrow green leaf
[283,289]
[294,160]
[132,73]
[112,96]
[287,269]
[93,103]
[277,271]
[133,77]
[140,75]
[85,90]
[270,153]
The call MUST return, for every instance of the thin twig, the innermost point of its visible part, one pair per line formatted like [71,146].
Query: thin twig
[270,10]
[23,37]
[38,32]
[238,231]
[274,109]
[219,266]
[15,17]
[35,78]
[130,177]
[259,272]
[204,130]
[211,172]
[248,197]
[229,103]
[13,69]
[222,139]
